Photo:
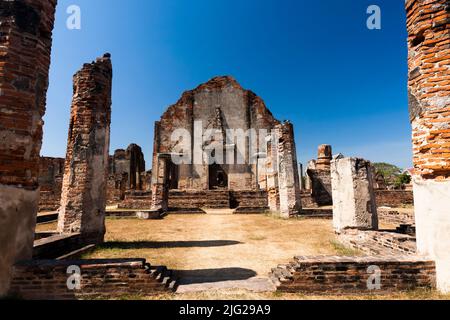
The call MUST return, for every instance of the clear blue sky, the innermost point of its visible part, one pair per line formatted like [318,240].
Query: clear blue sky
[313,62]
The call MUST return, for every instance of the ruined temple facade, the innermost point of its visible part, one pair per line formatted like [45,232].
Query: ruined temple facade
[218,104]
[219,134]
[428,24]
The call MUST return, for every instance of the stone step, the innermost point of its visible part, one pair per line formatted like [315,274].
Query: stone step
[163,276]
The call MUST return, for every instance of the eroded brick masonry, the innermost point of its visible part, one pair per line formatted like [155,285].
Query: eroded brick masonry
[51,173]
[83,198]
[127,173]
[25,44]
[218,106]
[319,177]
[428,24]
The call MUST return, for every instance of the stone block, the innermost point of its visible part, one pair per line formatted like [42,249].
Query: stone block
[353,195]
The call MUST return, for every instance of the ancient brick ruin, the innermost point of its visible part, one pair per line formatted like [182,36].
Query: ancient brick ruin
[51,173]
[252,171]
[26,38]
[216,107]
[101,279]
[83,198]
[319,177]
[288,179]
[126,173]
[335,275]
[354,204]
[429,103]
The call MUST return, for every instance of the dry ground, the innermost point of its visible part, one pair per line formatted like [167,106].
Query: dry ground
[231,247]
[199,242]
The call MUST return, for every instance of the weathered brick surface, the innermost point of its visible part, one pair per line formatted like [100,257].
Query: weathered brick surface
[394,198]
[83,198]
[319,176]
[429,85]
[219,102]
[379,242]
[126,173]
[160,186]
[51,172]
[428,25]
[354,205]
[25,44]
[26,38]
[47,279]
[136,200]
[272,183]
[350,275]
[288,181]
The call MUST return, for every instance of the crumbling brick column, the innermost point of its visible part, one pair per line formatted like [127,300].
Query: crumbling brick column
[136,166]
[324,157]
[26,38]
[83,199]
[160,183]
[301,176]
[288,180]
[320,176]
[428,24]
[272,174]
[354,204]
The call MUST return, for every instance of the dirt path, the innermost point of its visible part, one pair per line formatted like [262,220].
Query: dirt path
[218,250]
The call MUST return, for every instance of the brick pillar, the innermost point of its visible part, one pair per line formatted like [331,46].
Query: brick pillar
[354,205]
[272,174]
[83,198]
[324,156]
[25,44]
[300,176]
[160,184]
[320,176]
[288,181]
[428,24]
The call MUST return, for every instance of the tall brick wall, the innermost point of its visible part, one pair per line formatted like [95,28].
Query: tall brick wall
[83,198]
[428,24]
[25,45]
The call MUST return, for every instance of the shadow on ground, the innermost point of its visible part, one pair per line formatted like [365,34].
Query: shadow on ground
[187,277]
[167,244]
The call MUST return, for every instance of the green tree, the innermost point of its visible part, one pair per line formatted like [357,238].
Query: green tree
[387,169]
[402,180]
